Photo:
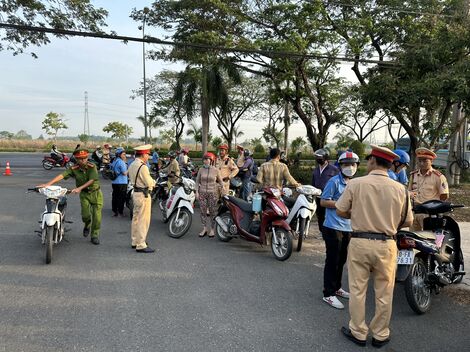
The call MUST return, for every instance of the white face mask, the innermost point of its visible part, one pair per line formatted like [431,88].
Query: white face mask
[349,171]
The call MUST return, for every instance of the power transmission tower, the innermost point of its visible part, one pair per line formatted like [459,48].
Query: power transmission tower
[86,120]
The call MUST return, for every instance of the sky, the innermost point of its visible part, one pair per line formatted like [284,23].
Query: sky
[107,69]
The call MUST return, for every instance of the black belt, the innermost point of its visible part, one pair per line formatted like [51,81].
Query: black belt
[372,236]
[141,189]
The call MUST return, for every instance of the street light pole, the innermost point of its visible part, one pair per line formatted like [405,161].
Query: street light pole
[146,11]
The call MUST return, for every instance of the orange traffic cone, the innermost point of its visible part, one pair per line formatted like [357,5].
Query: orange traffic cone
[7,170]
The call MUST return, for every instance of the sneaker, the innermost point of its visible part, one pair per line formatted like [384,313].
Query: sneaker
[334,302]
[342,293]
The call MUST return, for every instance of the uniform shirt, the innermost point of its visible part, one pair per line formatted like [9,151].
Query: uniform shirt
[119,167]
[319,179]
[226,167]
[377,203]
[402,177]
[207,178]
[144,180]
[172,167]
[429,186]
[392,175]
[84,175]
[273,173]
[334,188]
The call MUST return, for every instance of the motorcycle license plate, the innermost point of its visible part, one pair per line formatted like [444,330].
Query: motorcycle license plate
[405,257]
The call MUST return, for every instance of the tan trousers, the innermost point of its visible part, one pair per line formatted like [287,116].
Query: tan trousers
[418,220]
[380,257]
[141,219]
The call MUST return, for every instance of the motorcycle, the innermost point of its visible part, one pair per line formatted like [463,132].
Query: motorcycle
[432,259]
[189,171]
[178,209]
[53,218]
[49,162]
[301,210]
[235,187]
[237,218]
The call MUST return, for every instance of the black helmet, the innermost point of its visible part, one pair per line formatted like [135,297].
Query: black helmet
[322,154]
[171,154]
[246,153]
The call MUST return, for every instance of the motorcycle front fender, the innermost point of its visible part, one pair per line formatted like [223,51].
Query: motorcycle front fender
[282,224]
[50,219]
[185,204]
[305,213]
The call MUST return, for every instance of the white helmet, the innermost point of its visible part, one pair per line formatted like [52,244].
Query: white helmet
[348,157]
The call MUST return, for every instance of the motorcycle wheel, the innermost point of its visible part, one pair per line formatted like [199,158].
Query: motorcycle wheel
[46,164]
[418,293]
[219,231]
[458,279]
[48,242]
[281,244]
[177,227]
[302,225]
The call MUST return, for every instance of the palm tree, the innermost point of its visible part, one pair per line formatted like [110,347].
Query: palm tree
[196,132]
[152,122]
[208,83]
[237,133]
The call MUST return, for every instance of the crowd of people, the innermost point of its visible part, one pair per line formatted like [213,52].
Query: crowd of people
[358,217]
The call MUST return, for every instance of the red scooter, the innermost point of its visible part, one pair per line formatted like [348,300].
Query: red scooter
[49,162]
[236,218]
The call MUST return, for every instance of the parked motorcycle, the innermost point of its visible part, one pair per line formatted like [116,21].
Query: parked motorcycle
[237,218]
[432,259]
[178,209]
[189,171]
[53,218]
[49,162]
[301,210]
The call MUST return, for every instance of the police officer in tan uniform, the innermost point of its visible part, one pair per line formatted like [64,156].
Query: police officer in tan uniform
[226,166]
[426,184]
[172,168]
[377,207]
[139,177]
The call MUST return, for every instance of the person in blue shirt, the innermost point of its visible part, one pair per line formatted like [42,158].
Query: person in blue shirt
[400,165]
[119,184]
[336,231]
[155,158]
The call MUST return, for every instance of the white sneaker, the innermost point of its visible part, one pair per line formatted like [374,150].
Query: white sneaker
[334,302]
[342,293]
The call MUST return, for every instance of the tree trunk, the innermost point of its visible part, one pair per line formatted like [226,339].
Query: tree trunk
[205,115]
[286,127]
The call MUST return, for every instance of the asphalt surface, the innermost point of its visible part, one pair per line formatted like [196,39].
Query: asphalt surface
[191,295]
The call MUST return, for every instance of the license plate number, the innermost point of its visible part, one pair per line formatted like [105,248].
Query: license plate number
[405,257]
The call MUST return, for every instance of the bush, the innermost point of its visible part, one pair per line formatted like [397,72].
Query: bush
[301,174]
[358,148]
[259,149]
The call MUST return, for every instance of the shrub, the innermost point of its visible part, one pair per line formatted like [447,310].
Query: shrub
[259,149]
[358,148]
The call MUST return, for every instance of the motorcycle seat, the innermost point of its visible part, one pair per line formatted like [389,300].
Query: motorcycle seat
[288,201]
[242,204]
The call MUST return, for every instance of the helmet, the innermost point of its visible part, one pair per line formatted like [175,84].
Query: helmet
[223,146]
[209,155]
[106,145]
[322,154]
[185,150]
[171,154]
[246,152]
[404,157]
[348,157]
[54,146]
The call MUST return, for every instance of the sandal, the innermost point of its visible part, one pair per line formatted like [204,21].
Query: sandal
[202,233]
[211,234]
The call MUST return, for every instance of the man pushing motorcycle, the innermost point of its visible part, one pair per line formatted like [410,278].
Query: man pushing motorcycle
[88,187]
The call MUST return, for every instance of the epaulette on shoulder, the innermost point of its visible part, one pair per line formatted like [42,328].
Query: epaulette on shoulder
[90,164]
[414,172]
[437,172]
[75,167]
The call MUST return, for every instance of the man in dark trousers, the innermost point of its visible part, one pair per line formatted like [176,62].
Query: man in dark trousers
[321,174]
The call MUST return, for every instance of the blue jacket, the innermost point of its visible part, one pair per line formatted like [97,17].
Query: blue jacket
[320,180]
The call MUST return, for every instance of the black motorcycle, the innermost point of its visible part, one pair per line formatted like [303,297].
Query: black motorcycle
[431,259]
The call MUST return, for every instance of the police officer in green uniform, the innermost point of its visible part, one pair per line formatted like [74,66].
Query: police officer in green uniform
[88,187]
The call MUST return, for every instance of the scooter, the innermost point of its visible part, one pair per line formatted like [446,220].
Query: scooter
[53,218]
[237,218]
[301,210]
[178,210]
[432,259]
[49,162]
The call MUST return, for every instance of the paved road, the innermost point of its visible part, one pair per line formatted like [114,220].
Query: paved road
[191,295]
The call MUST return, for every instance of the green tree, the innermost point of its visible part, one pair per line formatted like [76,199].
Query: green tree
[343,139]
[216,142]
[167,136]
[118,130]
[84,138]
[359,148]
[297,144]
[196,133]
[52,123]
[60,14]
[6,135]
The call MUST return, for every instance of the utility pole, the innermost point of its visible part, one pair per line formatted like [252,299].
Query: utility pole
[86,120]
[146,11]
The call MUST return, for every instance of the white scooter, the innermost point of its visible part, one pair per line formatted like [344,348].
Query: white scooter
[53,218]
[178,209]
[301,210]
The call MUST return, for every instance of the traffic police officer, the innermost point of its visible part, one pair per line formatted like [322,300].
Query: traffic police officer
[88,186]
[226,166]
[377,207]
[426,184]
[139,177]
